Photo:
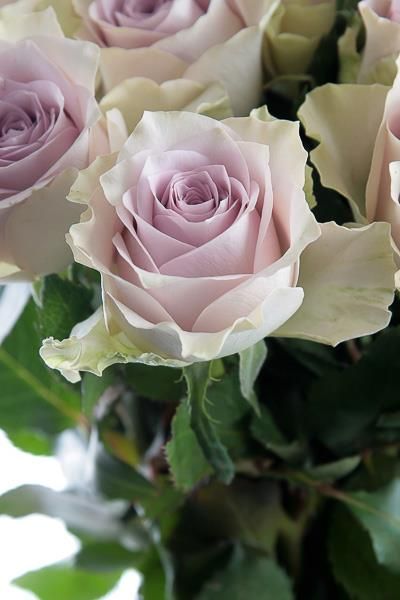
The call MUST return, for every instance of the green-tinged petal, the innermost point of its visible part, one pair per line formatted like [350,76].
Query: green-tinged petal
[292,35]
[349,58]
[28,24]
[64,10]
[91,348]
[179,94]
[348,281]
[347,136]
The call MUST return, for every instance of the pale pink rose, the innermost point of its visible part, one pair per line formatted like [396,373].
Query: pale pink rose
[47,109]
[201,40]
[186,28]
[190,231]
[205,243]
[381,19]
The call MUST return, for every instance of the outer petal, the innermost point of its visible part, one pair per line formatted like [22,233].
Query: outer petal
[347,137]
[287,155]
[78,60]
[118,64]
[13,29]
[237,65]
[348,281]
[383,42]
[253,12]
[180,94]
[91,348]
[34,232]
[66,15]
[383,182]
[217,25]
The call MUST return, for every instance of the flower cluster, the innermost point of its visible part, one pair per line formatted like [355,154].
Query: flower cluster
[135,141]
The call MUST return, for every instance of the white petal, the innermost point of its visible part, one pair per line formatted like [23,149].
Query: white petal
[347,136]
[348,281]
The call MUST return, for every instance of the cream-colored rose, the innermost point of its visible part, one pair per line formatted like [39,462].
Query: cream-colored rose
[358,127]
[206,245]
[64,10]
[206,41]
[293,33]
[48,114]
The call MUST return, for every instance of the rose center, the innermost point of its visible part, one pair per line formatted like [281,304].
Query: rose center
[194,195]
[146,7]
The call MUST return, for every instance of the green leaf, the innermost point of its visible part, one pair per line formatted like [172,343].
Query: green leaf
[265,431]
[93,387]
[106,556]
[33,398]
[65,583]
[115,479]
[251,362]
[228,410]
[315,357]
[389,420]
[63,305]
[158,383]
[251,577]
[249,511]
[185,457]
[158,574]
[334,470]
[379,513]
[344,405]
[81,513]
[31,441]
[198,379]
[354,562]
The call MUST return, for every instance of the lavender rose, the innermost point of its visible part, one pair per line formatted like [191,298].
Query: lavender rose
[47,108]
[206,41]
[206,244]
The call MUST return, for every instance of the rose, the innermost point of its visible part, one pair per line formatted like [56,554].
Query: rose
[382,42]
[139,23]
[47,110]
[359,151]
[197,231]
[184,28]
[206,41]
[64,10]
[293,33]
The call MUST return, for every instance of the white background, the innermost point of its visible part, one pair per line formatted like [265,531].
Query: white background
[33,542]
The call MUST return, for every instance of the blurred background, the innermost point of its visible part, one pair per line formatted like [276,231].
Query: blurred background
[32,542]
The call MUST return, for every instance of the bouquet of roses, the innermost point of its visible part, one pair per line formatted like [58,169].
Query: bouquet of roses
[199,244]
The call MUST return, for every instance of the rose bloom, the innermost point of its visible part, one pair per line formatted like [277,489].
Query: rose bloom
[47,110]
[359,151]
[381,19]
[293,33]
[201,40]
[206,244]
[64,10]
